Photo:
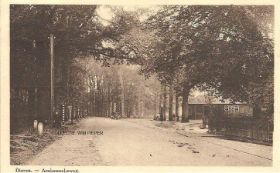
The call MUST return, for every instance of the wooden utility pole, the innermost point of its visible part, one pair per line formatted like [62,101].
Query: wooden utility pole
[52,76]
[36,80]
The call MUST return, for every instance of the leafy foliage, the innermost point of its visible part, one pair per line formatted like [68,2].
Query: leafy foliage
[220,46]
[228,48]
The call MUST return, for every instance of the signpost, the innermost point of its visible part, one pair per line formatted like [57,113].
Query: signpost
[52,76]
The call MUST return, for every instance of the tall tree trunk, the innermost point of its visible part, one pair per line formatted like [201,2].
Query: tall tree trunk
[161,104]
[105,102]
[122,92]
[156,105]
[177,106]
[109,100]
[142,108]
[110,108]
[139,107]
[94,103]
[164,103]
[102,104]
[171,103]
[185,105]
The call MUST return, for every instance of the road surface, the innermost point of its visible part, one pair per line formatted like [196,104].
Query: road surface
[127,142]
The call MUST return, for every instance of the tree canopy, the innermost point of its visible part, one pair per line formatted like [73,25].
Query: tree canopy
[228,48]
[224,47]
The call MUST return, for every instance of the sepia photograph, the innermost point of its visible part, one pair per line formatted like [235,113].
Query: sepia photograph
[141,85]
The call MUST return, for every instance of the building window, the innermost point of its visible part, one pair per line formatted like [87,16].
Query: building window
[231,108]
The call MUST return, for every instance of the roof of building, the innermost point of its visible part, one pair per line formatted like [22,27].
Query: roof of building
[201,99]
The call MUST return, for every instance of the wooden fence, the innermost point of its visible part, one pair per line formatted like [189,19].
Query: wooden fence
[244,128]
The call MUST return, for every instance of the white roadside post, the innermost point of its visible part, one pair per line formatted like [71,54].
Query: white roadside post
[35,125]
[40,128]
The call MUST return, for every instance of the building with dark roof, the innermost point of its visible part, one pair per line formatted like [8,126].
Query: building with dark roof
[200,106]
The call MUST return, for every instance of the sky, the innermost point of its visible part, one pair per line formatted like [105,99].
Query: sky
[106,13]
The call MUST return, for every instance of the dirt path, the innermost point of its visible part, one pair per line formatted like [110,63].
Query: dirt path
[125,143]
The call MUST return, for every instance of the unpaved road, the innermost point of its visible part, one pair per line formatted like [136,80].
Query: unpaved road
[128,142]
